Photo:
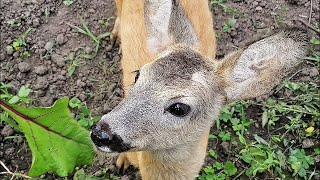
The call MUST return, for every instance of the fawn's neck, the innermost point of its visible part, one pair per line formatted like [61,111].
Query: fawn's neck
[183,162]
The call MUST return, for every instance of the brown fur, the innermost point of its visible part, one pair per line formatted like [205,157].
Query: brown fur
[130,26]
[136,54]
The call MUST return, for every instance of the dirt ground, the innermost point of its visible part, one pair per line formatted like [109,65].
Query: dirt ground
[97,81]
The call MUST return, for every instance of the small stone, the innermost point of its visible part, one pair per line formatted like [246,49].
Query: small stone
[16,54]
[60,39]
[2,56]
[40,93]
[307,143]
[10,50]
[87,49]
[41,70]
[41,44]
[58,59]
[63,72]
[7,131]
[106,107]
[49,45]
[109,48]
[9,151]
[314,72]
[225,146]
[82,97]
[24,67]
[36,22]
[116,58]
[41,83]
[46,101]
[18,140]
[125,177]
[259,8]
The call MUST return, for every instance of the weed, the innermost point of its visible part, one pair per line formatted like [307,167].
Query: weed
[46,14]
[13,22]
[86,31]
[20,44]
[314,41]
[74,61]
[300,162]
[68,2]
[225,136]
[84,116]
[227,26]
[218,171]
[224,7]
[21,98]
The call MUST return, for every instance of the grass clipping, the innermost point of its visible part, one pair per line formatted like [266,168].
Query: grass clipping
[58,143]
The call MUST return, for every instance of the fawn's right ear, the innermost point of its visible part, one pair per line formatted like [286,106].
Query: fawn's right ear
[257,69]
[167,24]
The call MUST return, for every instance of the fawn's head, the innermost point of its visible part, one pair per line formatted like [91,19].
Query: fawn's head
[178,95]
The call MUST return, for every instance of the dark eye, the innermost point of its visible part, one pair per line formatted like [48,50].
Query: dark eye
[179,109]
[137,76]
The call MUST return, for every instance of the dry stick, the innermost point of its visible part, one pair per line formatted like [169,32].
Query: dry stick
[11,173]
[310,13]
[309,26]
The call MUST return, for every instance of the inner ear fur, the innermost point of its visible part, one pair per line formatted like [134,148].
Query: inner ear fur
[255,70]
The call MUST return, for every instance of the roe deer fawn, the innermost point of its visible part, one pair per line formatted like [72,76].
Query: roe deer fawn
[162,124]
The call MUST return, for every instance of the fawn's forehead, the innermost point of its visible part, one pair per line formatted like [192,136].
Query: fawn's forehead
[181,64]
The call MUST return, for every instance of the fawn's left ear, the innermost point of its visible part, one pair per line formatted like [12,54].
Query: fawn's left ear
[257,69]
[166,25]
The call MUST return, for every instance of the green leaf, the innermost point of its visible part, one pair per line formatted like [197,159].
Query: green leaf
[24,91]
[81,175]
[314,41]
[212,153]
[14,100]
[217,165]
[75,103]
[260,140]
[57,142]
[229,168]
[241,139]
[225,136]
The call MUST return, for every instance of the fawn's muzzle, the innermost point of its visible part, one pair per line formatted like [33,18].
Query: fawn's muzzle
[105,140]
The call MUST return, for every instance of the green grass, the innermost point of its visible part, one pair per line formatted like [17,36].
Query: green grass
[86,31]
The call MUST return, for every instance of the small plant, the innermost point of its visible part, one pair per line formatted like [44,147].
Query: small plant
[13,22]
[300,162]
[218,171]
[260,157]
[20,44]
[225,136]
[68,2]
[21,97]
[314,41]
[74,62]
[225,8]
[86,31]
[84,117]
[227,26]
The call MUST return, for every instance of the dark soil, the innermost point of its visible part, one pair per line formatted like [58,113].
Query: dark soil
[97,81]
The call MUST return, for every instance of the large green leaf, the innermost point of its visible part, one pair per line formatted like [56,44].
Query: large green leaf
[58,143]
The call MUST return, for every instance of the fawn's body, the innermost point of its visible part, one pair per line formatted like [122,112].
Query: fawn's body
[163,123]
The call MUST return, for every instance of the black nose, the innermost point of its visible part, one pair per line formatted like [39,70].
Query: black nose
[101,136]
